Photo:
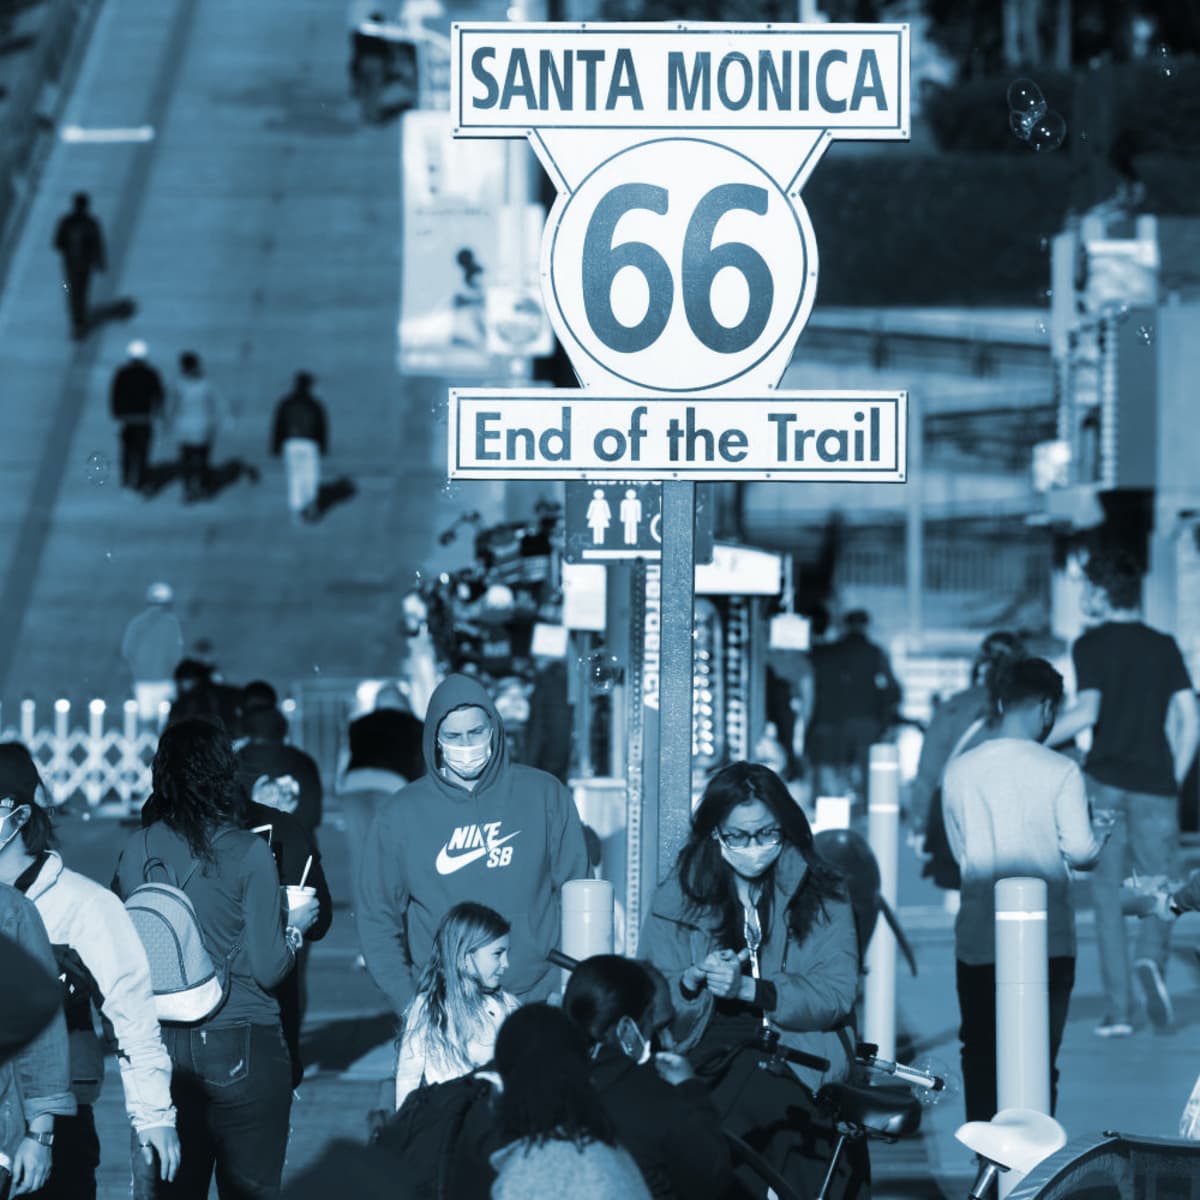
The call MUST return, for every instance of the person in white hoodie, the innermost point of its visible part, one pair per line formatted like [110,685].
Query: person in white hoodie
[102,963]
[196,414]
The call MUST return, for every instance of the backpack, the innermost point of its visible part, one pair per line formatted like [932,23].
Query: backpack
[182,975]
[430,1134]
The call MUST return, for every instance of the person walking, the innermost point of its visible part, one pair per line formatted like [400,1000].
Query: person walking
[856,699]
[1013,807]
[195,417]
[136,402]
[300,433]
[476,827]
[232,1074]
[105,971]
[35,1076]
[79,241]
[451,1025]
[1134,693]
[151,646]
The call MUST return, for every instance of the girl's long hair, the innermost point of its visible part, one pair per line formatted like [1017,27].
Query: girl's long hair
[707,881]
[452,1002]
[197,788]
[548,1096]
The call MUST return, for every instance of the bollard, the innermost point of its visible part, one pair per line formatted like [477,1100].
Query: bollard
[883,833]
[1022,998]
[587,919]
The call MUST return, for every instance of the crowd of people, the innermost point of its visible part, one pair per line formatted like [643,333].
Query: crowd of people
[686,1073]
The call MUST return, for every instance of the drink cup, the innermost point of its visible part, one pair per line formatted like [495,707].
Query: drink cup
[298,896]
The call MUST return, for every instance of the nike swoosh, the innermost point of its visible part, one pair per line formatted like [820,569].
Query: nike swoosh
[500,841]
[448,863]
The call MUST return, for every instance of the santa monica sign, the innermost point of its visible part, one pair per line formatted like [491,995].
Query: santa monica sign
[678,262]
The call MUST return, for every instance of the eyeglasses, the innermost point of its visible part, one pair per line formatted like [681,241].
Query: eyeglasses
[739,839]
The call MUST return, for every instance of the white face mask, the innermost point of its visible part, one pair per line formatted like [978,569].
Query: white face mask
[467,761]
[750,861]
[12,821]
[632,1042]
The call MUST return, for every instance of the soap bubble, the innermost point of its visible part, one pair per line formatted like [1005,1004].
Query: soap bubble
[96,469]
[1020,124]
[449,489]
[1025,97]
[1048,132]
[930,1064]
[602,671]
[1041,327]
[1146,334]
[1043,243]
[1165,69]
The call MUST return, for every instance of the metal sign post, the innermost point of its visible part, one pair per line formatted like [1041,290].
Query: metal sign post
[678,267]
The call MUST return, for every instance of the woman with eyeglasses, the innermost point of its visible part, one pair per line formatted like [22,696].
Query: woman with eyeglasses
[755,935]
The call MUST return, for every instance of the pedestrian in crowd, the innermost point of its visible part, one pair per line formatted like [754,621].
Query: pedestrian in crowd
[661,1113]
[385,755]
[956,724]
[474,827]
[104,970]
[557,1137]
[35,1079]
[200,691]
[548,729]
[1134,693]
[451,1025]
[231,1080]
[1013,807]
[264,754]
[80,244]
[136,402]
[296,857]
[754,932]
[856,699]
[151,646]
[300,433]
[196,415]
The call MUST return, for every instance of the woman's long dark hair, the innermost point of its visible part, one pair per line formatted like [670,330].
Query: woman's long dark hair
[547,1095]
[197,790]
[602,990]
[707,881]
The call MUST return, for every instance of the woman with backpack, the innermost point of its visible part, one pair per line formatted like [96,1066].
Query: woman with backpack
[231,1079]
[451,1024]
[756,937]
[102,963]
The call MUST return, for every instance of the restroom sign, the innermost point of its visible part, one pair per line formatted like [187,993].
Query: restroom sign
[614,520]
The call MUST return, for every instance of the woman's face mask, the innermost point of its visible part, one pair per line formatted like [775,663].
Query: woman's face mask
[12,820]
[750,861]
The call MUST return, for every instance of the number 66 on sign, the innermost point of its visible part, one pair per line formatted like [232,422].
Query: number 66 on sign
[679,257]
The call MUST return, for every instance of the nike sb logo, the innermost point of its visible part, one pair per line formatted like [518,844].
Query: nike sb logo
[470,843]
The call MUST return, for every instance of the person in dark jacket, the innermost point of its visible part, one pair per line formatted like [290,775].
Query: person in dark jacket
[136,402]
[661,1112]
[263,753]
[301,434]
[856,700]
[80,244]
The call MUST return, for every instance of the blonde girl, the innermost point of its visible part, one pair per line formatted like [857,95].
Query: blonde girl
[451,1025]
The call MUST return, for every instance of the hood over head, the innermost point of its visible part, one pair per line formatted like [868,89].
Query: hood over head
[269,724]
[460,691]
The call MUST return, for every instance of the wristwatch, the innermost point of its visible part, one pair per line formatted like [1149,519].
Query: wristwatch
[295,938]
[42,1137]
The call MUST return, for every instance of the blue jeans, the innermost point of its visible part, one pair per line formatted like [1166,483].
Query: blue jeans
[1144,839]
[233,1100]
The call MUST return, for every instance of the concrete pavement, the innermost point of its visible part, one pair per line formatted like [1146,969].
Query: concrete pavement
[259,228]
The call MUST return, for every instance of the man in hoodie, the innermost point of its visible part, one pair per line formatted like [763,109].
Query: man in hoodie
[101,961]
[477,827]
[80,244]
[301,434]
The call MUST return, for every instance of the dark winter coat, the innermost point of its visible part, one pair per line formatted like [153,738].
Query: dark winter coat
[300,415]
[137,394]
[79,240]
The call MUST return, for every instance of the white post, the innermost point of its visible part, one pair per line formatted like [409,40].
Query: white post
[130,756]
[60,750]
[1022,998]
[587,918]
[883,832]
[93,779]
[28,723]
